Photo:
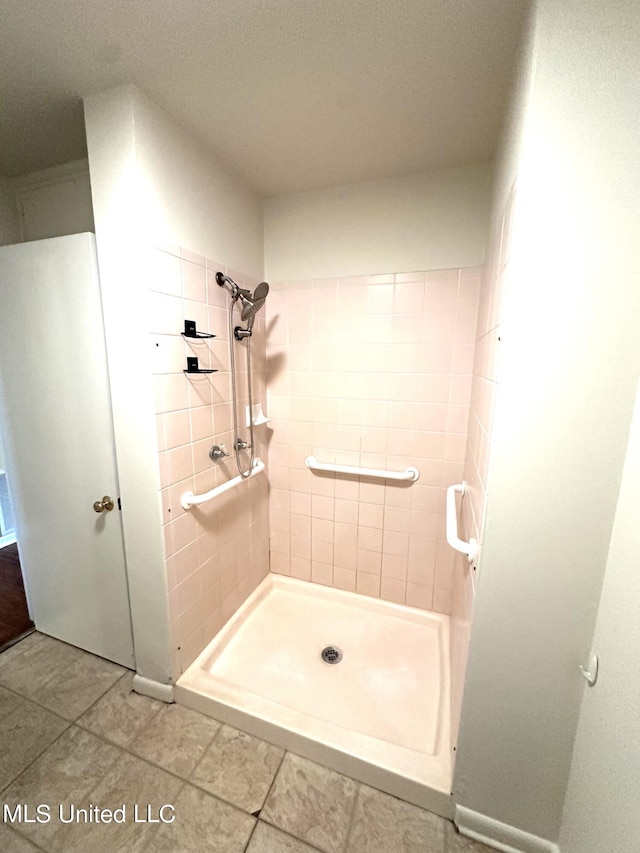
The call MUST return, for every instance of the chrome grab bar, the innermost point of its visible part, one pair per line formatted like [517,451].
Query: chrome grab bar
[410,474]
[469,548]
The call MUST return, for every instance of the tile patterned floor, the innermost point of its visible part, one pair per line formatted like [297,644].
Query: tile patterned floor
[73,735]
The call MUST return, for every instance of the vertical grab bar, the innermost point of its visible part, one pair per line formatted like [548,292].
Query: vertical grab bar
[469,548]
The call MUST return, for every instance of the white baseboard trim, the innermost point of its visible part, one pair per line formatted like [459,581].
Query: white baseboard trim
[154,689]
[502,836]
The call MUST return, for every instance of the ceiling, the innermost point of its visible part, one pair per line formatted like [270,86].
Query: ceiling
[291,94]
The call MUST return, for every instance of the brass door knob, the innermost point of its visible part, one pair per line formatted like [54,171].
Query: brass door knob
[105,503]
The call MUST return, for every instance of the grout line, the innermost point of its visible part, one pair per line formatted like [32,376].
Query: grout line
[17,643]
[128,751]
[58,713]
[290,835]
[39,755]
[157,829]
[106,772]
[37,704]
[26,838]
[102,695]
[273,781]
[304,841]
[167,770]
[209,744]
[246,846]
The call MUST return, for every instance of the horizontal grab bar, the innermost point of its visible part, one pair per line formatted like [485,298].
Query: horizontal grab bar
[469,548]
[410,474]
[188,499]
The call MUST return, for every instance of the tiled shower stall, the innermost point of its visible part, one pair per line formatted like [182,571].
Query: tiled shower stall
[373,372]
[369,371]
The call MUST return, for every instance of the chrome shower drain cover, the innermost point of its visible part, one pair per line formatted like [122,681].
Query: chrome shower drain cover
[331,654]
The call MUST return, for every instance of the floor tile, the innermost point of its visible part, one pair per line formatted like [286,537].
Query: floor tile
[45,760]
[130,782]
[59,676]
[121,715]
[175,738]
[456,843]
[203,823]
[312,803]
[8,702]
[37,663]
[24,733]
[268,839]
[19,648]
[239,768]
[79,687]
[382,823]
[11,842]
[65,773]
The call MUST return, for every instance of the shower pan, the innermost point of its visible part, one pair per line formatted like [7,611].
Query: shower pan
[355,683]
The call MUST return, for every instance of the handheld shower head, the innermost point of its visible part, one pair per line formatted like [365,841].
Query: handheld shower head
[252,303]
[261,291]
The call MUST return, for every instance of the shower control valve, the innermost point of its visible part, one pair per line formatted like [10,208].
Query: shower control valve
[241,444]
[218,451]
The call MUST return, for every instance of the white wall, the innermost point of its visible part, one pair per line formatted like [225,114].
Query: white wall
[114,184]
[49,203]
[486,369]
[151,185]
[570,358]
[431,221]
[54,202]
[9,225]
[190,198]
[512,132]
[601,810]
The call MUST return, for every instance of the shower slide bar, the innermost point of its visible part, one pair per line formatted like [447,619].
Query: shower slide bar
[469,548]
[188,499]
[409,475]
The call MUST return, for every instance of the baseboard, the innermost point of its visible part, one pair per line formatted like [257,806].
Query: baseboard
[502,836]
[154,689]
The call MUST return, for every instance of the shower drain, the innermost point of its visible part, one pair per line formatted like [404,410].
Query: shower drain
[331,654]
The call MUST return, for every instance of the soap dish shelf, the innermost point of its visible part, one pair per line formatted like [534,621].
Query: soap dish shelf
[259,417]
[193,368]
[192,334]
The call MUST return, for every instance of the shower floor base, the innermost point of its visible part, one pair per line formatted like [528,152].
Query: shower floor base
[380,715]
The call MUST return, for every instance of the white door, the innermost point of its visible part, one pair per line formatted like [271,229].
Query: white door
[55,408]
